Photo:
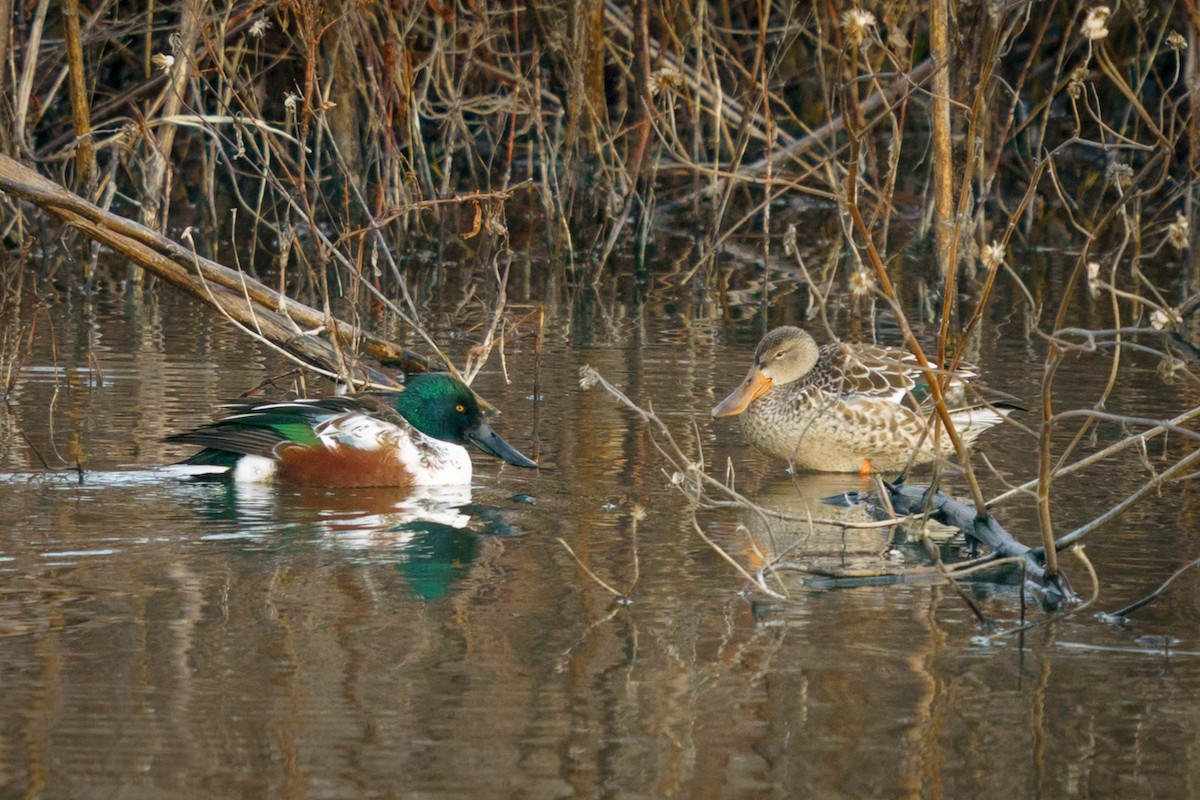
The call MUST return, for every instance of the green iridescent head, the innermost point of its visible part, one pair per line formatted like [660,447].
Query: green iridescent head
[441,406]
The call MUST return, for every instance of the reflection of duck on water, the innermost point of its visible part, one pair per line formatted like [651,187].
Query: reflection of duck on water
[433,535]
[847,407]
[800,524]
[824,529]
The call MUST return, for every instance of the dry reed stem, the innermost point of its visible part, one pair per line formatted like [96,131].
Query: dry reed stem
[1110,70]
[156,183]
[599,581]
[1123,613]
[702,86]
[28,73]
[1054,355]
[1178,469]
[85,156]
[636,515]
[1095,458]
[935,556]
[6,12]
[943,154]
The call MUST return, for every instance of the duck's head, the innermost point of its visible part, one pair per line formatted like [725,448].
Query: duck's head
[441,406]
[784,355]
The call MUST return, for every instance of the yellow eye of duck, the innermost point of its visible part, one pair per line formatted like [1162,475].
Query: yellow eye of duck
[460,408]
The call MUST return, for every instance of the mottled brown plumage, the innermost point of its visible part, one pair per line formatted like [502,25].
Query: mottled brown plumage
[846,407]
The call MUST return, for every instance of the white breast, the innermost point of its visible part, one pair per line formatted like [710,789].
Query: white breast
[429,461]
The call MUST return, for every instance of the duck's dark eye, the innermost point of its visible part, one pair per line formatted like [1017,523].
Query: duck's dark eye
[460,408]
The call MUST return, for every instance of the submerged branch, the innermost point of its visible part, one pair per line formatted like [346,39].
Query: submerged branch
[916,500]
[1122,613]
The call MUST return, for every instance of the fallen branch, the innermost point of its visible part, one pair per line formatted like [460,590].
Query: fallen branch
[277,318]
[908,500]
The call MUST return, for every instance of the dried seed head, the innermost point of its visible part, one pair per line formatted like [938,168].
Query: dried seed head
[789,240]
[861,284]
[1169,368]
[1075,84]
[1093,278]
[127,135]
[1176,41]
[291,101]
[1119,174]
[495,223]
[1095,24]
[1177,232]
[856,24]
[260,27]
[1164,318]
[588,377]
[163,61]
[664,79]
[992,255]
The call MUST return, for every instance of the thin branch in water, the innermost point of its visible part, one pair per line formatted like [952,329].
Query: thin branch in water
[1121,614]
[599,581]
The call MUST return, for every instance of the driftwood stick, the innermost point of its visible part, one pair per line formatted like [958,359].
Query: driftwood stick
[157,253]
[270,325]
[913,500]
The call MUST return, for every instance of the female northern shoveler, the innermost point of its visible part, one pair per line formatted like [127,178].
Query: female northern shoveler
[846,407]
[410,438]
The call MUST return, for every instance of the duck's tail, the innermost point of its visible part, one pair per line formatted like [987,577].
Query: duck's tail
[973,420]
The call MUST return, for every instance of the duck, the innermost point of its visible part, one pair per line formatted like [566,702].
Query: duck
[844,407]
[414,437]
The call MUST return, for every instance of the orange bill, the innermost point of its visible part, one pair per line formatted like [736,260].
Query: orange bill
[755,385]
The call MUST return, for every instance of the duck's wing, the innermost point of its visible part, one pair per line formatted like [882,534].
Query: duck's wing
[255,428]
[220,441]
[894,375]
[865,371]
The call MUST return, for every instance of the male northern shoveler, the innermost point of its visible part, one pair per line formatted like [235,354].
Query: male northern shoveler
[414,437]
[847,407]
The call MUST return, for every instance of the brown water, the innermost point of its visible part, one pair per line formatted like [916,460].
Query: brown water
[165,639]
